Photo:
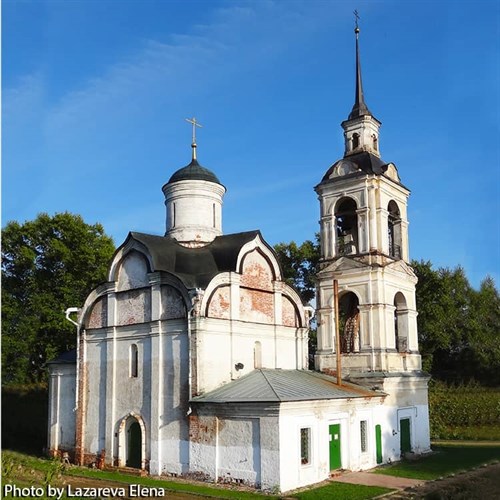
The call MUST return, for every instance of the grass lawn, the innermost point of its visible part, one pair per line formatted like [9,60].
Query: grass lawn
[447,459]
[341,491]
[26,470]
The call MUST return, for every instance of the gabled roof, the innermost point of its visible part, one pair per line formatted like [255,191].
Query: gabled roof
[266,385]
[195,267]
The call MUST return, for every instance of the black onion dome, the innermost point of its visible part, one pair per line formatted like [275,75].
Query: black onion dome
[194,172]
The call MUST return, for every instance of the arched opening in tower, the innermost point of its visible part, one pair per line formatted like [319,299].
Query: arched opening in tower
[347,227]
[394,230]
[349,319]
[401,322]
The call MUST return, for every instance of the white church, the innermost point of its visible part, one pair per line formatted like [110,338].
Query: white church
[192,358]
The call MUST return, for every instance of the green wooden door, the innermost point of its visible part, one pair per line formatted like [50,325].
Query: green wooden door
[134,446]
[378,441]
[335,457]
[405,440]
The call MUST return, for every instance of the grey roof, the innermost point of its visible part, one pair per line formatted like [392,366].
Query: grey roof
[195,267]
[368,163]
[266,385]
[193,171]
[68,357]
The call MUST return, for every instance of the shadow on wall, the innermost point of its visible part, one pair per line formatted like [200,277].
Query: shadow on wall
[25,418]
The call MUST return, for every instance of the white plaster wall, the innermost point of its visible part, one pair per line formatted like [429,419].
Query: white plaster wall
[221,344]
[62,416]
[318,416]
[194,202]
[238,444]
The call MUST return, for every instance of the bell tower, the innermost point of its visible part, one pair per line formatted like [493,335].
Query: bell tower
[364,247]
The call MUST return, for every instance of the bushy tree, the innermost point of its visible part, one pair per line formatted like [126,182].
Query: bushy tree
[299,263]
[48,265]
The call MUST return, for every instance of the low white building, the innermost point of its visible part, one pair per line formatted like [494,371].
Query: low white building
[193,356]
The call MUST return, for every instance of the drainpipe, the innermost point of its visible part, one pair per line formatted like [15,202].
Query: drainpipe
[72,310]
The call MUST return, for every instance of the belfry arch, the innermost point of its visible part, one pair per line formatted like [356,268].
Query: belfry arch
[346,219]
[349,322]
[401,322]
[394,230]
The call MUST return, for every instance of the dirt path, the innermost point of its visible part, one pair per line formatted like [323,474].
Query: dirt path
[478,484]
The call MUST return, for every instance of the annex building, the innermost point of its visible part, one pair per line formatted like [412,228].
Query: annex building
[192,358]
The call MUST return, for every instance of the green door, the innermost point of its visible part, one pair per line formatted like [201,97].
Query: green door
[335,458]
[378,441]
[134,446]
[405,441]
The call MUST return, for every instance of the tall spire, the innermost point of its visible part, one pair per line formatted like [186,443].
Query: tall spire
[360,108]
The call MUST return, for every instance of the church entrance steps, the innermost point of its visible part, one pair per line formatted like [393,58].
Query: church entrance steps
[131,471]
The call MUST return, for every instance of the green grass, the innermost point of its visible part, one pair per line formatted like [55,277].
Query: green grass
[490,432]
[447,459]
[199,489]
[341,491]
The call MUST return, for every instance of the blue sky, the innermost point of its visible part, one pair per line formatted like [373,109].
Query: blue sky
[95,93]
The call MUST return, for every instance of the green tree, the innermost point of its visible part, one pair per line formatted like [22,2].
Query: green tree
[48,264]
[299,263]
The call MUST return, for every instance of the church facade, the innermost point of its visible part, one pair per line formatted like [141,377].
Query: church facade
[192,358]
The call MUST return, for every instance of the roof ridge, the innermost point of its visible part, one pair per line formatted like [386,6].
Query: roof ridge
[269,383]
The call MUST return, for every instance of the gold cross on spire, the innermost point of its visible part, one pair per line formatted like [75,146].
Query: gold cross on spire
[195,124]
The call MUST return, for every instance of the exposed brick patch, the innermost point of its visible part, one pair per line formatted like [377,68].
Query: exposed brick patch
[172,303]
[256,272]
[256,306]
[99,313]
[290,317]
[202,429]
[134,306]
[218,306]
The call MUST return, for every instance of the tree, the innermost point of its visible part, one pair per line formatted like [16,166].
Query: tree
[48,265]
[458,326]
[299,265]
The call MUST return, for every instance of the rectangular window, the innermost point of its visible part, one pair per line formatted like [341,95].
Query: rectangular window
[305,446]
[363,435]
[134,361]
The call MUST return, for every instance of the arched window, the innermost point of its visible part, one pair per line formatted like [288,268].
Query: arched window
[355,141]
[134,361]
[257,355]
[401,322]
[394,230]
[349,323]
[375,142]
[347,227]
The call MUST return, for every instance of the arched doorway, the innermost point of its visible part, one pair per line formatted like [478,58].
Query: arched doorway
[131,442]
[134,445]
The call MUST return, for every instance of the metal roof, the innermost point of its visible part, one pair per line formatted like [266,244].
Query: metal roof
[195,267]
[193,171]
[266,385]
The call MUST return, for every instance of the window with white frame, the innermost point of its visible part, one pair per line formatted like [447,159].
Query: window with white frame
[363,427]
[305,446]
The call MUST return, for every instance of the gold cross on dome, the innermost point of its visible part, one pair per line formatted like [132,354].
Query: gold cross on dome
[195,124]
